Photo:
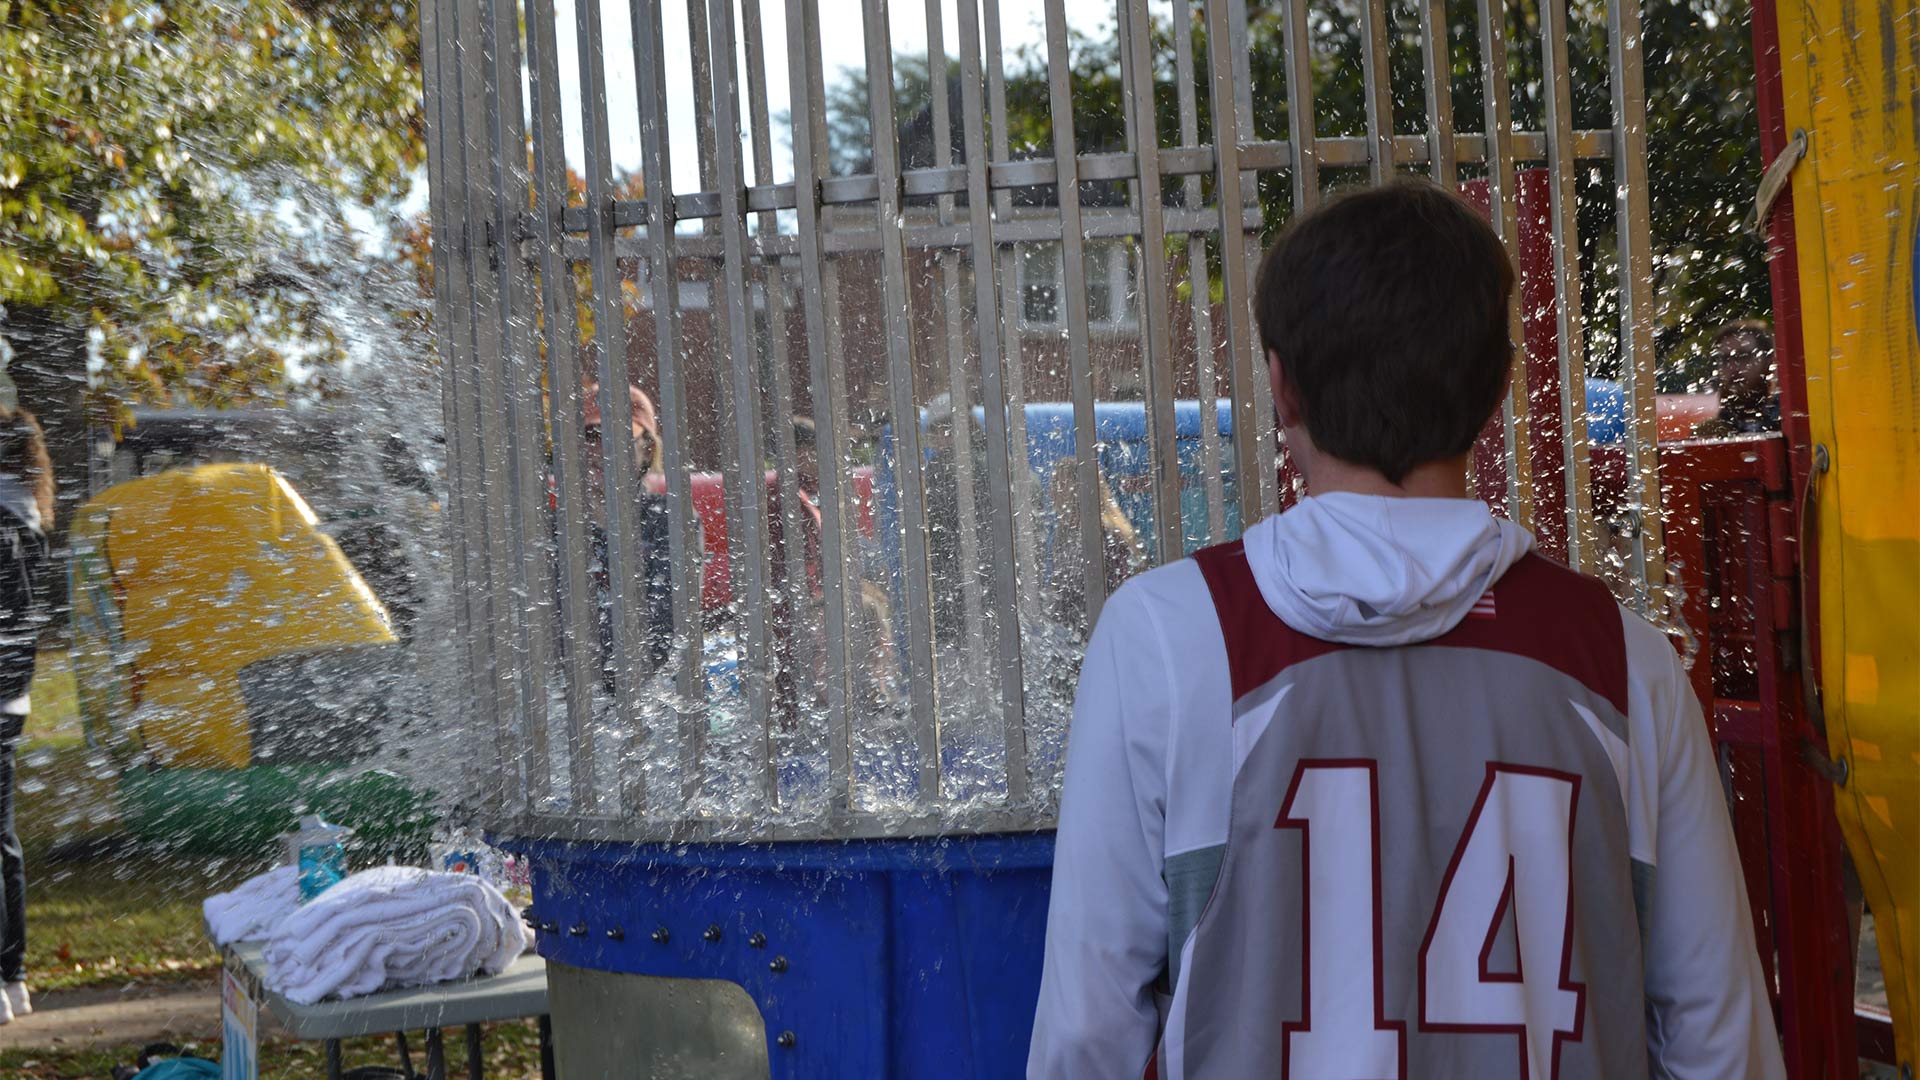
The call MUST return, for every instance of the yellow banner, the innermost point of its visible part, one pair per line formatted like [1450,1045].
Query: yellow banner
[1851,76]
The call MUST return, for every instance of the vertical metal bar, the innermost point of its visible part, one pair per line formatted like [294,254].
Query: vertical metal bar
[485,472]
[562,336]
[476,1059]
[1073,257]
[1020,472]
[1503,199]
[1266,437]
[1002,584]
[1199,283]
[1376,75]
[1300,122]
[702,64]
[683,523]
[1233,254]
[1637,358]
[1442,161]
[1156,352]
[443,162]
[779,382]
[1566,280]
[955,347]
[747,514]
[906,413]
[829,399]
[624,569]
[525,502]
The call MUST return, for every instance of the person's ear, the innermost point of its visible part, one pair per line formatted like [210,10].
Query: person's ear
[1286,399]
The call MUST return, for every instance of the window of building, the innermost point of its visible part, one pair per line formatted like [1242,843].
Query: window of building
[1111,276]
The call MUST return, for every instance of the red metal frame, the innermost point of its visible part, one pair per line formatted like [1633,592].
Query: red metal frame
[1874,1029]
[1733,547]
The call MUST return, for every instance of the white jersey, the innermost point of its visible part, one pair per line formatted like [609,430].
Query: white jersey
[1337,806]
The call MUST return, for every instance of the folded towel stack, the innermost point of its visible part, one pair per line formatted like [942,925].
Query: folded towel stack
[250,912]
[391,927]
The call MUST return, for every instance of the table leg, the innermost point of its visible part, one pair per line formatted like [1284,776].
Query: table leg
[436,1055]
[332,1047]
[546,1048]
[476,1062]
[406,1055]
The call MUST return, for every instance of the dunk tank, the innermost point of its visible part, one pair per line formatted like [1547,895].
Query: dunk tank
[944,313]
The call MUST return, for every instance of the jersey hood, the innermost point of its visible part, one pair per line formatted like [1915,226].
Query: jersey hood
[1376,570]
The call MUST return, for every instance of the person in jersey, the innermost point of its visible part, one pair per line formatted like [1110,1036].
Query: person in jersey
[1378,791]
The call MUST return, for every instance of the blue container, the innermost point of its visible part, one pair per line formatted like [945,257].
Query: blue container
[882,958]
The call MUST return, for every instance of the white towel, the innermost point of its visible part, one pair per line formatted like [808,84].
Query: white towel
[250,912]
[392,927]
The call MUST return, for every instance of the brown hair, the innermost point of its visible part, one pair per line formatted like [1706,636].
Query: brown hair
[23,456]
[1759,330]
[1387,311]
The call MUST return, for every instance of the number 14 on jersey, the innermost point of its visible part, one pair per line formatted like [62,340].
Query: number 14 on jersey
[1513,860]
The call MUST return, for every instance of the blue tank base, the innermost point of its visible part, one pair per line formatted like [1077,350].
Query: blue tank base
[869,958]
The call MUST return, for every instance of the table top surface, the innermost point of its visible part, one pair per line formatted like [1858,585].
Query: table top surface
[519,991]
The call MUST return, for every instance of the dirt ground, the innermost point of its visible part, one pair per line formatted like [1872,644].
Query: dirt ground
[96,1015]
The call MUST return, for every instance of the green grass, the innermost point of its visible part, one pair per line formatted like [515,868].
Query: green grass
[134,920]
[56,700]
[101,911]
[512,1052]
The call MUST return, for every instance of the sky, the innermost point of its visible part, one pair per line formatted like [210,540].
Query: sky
[842,46]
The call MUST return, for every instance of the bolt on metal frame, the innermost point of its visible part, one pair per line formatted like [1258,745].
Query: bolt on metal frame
[947,238]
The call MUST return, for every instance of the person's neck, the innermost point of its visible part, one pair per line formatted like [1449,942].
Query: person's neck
[1446,479]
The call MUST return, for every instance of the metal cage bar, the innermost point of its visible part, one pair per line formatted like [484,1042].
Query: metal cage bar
[443,155]
[1156,350]
[616,435]
[747,508]
[461,79]
[687,710]
[748,320]
[952,345]
[1003,587]
[1635,252]
[1503,201]
[827,371]
[1228,183]
[1199,278]
[1569,321]
[890,222]
[521,449]
[1073,258]
[566,422]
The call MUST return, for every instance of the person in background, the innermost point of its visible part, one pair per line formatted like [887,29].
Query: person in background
[655,559]
[26,609]
[874,655]
[1743,372]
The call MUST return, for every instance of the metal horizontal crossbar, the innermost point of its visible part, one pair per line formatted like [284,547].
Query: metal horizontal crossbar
[1040,172]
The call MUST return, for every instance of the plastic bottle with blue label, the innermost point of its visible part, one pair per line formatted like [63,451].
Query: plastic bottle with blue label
[318,849]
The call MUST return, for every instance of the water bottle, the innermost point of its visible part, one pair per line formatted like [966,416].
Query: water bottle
[318,850]
[457,851]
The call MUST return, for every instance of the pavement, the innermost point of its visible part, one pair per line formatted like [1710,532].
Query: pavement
[134,1016]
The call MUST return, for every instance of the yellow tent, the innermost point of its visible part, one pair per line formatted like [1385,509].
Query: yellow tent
[183,581]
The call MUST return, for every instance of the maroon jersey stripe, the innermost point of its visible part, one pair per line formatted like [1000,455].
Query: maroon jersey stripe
[1539,610]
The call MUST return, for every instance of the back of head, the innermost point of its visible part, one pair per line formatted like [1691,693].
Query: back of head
[1386,309]
[24,460]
